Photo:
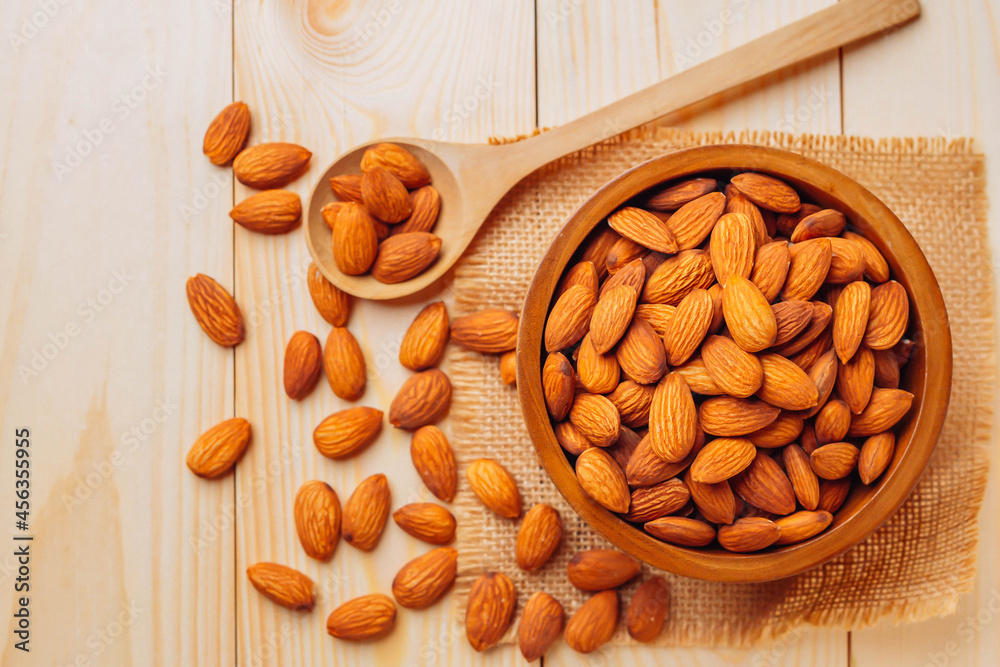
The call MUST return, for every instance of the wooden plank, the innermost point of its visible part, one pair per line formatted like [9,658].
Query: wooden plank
[329,78]
[107,207]
[589,55]
[938,77]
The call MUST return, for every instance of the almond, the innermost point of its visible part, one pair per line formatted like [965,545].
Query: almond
[884,410]
[823,373]
[355,244]
[490,609]
[348,432]
[832,422]
[227,133]
[731,417]
[283,585]
[696,374]
[601,569]
[599,373]
[385,196]
[722,459]
[693,222]
[583,274]
[508,367]
[644,228]
[403,256]
[822,315]
[673,419]
[495,487]
[732,247]
[363,618]
[782,431]
[735,371]
[267,166]
[682,531]
[434,461]
[602,479]
[856,380]
[886,369]
[736,202]
[317,519]
[801,526]
[678,276]
[425,579]
[764,484]
[850,316]
[347,188]
[809,442]
[876,453]
[770,267]
[558,385]
[611,318]
[640,353]
[688,326]
[269,212]
[890,312]
[217,450]
[674,196]
[426,205]
[832,494]
[596,248]
[426,521]
[365,513]
[876,268]
[810,262]
[652,502]
[594,623]
[344,364]
[748,534]
[398,161]
[331,303]
[786,385]
[596,418]
[748,315]
[658,315]
[716,502]
[570,438]
[633,401]
[537,538]
[827,222]
[804,482]
[767,192]
[792,317]
[622,253]
[303,364]
[569,319]
[847,262]
[215,310]
[646,468]
[425,339]
[491,331]
[835,460]
[541,624]
[423,399]
[632,275]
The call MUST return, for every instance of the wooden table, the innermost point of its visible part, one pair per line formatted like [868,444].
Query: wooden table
[107,206]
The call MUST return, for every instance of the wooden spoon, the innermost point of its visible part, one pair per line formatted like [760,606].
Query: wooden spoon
[472,178]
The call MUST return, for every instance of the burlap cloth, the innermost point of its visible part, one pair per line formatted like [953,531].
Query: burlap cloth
[917,564]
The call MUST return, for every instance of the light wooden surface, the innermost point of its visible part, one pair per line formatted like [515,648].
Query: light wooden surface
[137,562]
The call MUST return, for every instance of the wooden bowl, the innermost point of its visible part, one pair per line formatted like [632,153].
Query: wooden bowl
[927,375]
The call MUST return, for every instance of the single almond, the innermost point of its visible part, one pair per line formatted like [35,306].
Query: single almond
[729,416]
[570,438]
[722,459]
[363,618]
[434,461]
[678,276]
[425,579]
[737,202]
[832,422]
[770,267]
[269,212]
[693,222]
[508,367]
[426,205]
[804,482]
[215,310]
[643,228]
[332,304]
[673,419]
[786,385]
[890,313]
[317,519]
[732,247]
[652,502]
[569,319]
[596,418]
[491,331]
[876,453]
[695,373]
[633,401]
[423,399]
[365,513]
[217,450]
[847,262]
[749,316]
[764,484]
[385,196]
[348,432]
[735,371]
[495,487]
[876,268]
[283,585]
[658,315]
[599,373]
[583,274]
[303,364]
[782,431]
[632,274]
[683,531]
[821,317]
[541,624]
[674,196]
[227,133]
[398,161]
[347,188]
[886,369]
[602,479]
[823,373]
[596,248]
[601,569]
[426,521]
[856,380]
[490,609]
[716,502]
[850,317]
[688,327]
[425,339]
[558,385]
[835,460]
[622,253]
[792,317]
[344,364]
[537,538]
[355,244]
[833,493]
[767,192]
[826,222]
[267,166]
[594,623]
[748,534]
[611,318]
[885,408]
[807,270]
[640,353]
[800,526]
[403,256]
[646,468]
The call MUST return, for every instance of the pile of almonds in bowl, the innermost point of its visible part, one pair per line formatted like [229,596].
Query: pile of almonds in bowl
[723,361]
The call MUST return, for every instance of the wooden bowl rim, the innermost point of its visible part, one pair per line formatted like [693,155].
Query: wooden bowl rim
[931,385]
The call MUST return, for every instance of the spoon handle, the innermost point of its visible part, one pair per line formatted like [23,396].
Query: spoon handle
[826,30]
